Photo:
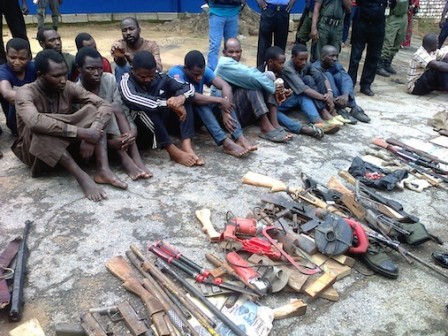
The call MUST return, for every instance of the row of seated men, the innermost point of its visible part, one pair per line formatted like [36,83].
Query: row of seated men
[57,120]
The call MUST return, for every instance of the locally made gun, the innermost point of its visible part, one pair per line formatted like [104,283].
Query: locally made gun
[414,150]
[17,303]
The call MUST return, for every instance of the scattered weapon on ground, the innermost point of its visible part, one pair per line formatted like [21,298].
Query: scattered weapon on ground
[6,257]
[173,288]
[16,310]
[414,150]
[91,326]
[122,270]
[413,159]
[196,293]
[194,272]
[397,247]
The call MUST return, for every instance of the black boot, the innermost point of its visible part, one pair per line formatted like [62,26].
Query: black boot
[377,260]
[380,70]
[388,67]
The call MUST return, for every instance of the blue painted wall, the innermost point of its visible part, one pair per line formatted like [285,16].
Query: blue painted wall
[139,6]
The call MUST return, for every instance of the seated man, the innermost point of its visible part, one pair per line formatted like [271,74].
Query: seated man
[341,84]
[86,40]
[253,93]
[302,94]
[50,39]
[17,72]
[428,70]
[125,49]
[121,131]
[158,103]
[194,71]
[50,132]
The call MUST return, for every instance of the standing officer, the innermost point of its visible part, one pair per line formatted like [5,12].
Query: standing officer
[368,29]
[396,24]
[274,21]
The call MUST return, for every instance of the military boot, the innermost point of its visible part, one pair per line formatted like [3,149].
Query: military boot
[388,67]
[380,70]
[377,260]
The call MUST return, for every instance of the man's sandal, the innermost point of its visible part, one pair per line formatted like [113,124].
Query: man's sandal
[277,136]
[314,131]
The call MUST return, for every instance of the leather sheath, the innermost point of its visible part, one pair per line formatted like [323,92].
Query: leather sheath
[6,257]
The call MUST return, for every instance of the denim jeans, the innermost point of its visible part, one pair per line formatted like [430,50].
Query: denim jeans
[335,83]
[120,71]
[219,27]
[210,114]
[307,107]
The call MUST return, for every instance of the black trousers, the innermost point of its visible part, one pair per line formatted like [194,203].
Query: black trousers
[274,22]
[431,80]
[370,34]
[16,23]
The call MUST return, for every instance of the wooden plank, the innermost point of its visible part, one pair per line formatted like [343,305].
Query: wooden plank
[296,279]
[345,260]
[320,285]
[29,328]
[330,294]
[295,308]
[327,264]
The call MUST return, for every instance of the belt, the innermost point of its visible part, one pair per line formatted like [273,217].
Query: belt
[330,21]
[277,8]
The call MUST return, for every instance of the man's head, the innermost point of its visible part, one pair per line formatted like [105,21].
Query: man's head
[232,49]
[299,56]
[130,29]
[194,66]
[51,70]
[18,54]
[430,42]
[49,39]
[84,40]
[328,56]
[274,58]
[90,65]
[144,67]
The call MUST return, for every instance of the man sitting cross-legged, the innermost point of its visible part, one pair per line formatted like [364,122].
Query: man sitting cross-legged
[341,84]
[50,129]
[18,71]
[158,103]
[121,131]
[303,96]
[253,93]
[212,108]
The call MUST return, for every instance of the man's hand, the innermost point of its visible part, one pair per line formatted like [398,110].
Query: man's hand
[117,51]
[314,35]
[175,102]
[262,4]
[229,122]
[86,150]
[226,105]
[342,100]
[25,9]
[127,140]
[90,135]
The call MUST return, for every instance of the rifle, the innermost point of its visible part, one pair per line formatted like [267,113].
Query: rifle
[15,313]
[415,151]
[397,247]
[409,156]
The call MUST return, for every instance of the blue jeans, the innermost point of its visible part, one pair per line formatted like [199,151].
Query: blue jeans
[335,83]
[219,27]
[209,115]
[120,71]
[307,107]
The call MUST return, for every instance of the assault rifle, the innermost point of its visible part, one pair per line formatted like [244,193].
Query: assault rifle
[416,151]
[15,313]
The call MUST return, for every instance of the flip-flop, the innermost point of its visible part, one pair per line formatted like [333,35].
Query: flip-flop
[274,136]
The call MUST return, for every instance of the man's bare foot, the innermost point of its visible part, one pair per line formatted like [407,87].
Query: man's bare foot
[233,148]
[180,156]
[325,115]
[92,191]
[186,147]
[244,142]
[105,176]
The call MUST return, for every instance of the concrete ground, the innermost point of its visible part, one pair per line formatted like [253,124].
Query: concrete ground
[72,238]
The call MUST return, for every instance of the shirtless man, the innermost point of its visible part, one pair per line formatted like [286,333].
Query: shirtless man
[48,126]
[121,131]
[156,101]
[123,51]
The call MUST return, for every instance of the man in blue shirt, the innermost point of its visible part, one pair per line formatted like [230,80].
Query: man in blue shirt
[223,22]
[195,72]
[17,72]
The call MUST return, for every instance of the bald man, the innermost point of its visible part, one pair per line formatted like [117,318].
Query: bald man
[341,84]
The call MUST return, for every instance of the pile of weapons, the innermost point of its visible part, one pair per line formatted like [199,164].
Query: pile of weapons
[424,169]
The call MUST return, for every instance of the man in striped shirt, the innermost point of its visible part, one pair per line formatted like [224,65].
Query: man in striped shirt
[428,69]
